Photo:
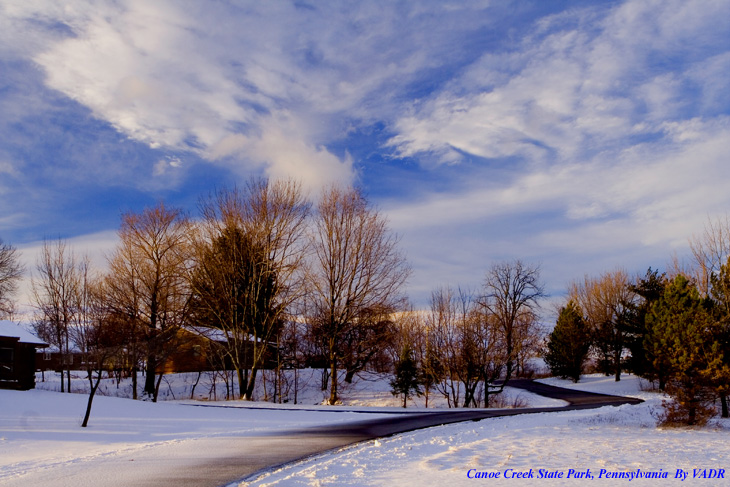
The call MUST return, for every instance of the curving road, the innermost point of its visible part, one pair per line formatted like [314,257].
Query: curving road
[310,441]
[222,460]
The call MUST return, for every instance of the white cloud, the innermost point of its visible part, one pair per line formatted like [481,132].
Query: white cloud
[631,207]
[602,119]
[210,78]
[164,167]
[96,246]
[149,70]
[625,181]
[572,88]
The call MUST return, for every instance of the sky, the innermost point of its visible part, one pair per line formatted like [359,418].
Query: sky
[574,135]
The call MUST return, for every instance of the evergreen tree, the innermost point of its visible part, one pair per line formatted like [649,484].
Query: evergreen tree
[234,289]
[650,289]
[406,381]
[684,343]
[721,296]
[568,344]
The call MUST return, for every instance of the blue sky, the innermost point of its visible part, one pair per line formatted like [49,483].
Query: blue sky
[579,136]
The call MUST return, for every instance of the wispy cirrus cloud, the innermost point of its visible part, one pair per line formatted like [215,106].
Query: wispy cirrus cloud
[583,82]
[602,133]
[484,129]
[226,81]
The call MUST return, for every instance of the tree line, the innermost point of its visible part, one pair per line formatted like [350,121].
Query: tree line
[263,267]
[671,328]
[293,283]
[313,284]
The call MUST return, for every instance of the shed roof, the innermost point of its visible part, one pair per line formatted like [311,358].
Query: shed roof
[11,329]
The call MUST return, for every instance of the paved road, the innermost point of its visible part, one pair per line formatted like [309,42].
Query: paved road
[217,461]
[341,435]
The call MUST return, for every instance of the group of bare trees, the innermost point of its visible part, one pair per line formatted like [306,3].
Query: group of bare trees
[468,345]
[262,270]
[266,271]
[72,314]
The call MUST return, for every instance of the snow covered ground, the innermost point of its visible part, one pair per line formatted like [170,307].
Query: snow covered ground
[579,446]
[41,442]
[367,389]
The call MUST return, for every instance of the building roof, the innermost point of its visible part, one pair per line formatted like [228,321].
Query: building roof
[13,330]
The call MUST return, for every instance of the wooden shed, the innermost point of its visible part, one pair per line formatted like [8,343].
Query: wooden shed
[17,356]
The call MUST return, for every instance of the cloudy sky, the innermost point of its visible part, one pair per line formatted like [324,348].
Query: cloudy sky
[576,135]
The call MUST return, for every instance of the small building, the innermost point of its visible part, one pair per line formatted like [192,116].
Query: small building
[51,359]
[17,356]
[203,349]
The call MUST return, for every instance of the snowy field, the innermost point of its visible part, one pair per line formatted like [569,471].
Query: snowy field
[41,442]
[367,390]
[616,440]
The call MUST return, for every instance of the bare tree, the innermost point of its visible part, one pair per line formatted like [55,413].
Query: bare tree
[276,218]
[512,291]
[10,273]
[248,273]
[709,270]
[55,287]
[356,267]
[710,251]
[146,282]
[607,302]
[444,340]
[94,331]
[366,344]
[470,353]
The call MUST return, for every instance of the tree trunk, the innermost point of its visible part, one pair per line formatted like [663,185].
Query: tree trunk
[333,380]
[296,384]
[63,364]
[192,390]
[242,383]
[251,384]
[71,361]
[92,391]
[723,403]
[157,387]
[349,375]
[149,380]
[619,347]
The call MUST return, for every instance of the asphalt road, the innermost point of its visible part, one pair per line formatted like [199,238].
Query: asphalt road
[305,441]
[222,460]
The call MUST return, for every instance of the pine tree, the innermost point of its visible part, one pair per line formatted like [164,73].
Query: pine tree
[406,381]
[568,344]
[721,296]
[684,343]
[650,288]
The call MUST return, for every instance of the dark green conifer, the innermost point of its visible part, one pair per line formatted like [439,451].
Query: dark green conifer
[683,342]
[568,344]
[406,381]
